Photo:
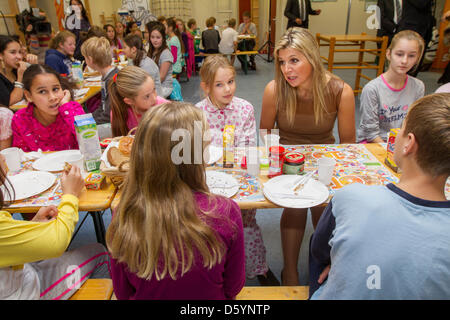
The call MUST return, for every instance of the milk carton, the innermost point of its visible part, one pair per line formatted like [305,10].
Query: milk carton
[88,141]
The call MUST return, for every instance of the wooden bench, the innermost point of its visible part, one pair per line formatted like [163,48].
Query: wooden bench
[274,293]
[240,53]
[94,289]
[102,289]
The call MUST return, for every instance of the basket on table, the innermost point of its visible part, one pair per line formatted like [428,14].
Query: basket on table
[117,173]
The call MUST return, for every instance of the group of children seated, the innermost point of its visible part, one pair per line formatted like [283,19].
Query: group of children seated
[169,237]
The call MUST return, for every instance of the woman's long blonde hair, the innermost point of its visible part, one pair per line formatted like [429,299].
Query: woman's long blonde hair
[157,226]
[287,97]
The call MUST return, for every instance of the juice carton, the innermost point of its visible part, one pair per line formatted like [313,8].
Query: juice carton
[77,74]
[228,146]
[88,141]
[389,160]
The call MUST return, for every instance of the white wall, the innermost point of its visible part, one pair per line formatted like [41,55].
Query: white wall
[332,20]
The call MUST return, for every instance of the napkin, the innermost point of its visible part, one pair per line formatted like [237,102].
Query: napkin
[280,191]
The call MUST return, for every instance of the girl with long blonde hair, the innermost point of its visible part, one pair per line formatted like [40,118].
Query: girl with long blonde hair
[170,238]
[132,92]
[303,102]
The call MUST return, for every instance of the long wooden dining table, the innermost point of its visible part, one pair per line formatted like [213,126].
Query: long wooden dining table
[253,187]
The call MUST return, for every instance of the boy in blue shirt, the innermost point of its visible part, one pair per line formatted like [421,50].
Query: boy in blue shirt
[392,242]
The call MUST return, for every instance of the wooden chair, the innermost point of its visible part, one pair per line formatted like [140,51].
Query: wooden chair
[274,293]
[94,289]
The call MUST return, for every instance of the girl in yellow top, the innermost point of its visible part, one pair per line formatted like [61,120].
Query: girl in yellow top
[33,261]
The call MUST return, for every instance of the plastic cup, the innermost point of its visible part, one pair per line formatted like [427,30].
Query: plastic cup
[271,140]
[13,158]
[77,160]
[252,155]
[326,169]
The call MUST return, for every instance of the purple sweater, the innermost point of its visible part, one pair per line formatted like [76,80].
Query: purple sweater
[224,281]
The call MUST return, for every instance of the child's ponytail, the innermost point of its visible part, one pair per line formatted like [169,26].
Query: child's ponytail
[119,110]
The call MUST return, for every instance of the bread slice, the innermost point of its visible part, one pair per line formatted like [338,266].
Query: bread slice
[115,157]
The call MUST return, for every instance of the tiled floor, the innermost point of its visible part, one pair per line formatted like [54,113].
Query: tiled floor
[251,88]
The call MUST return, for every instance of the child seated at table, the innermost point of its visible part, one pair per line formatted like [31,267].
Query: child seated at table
[392,242]
[134,50]
[62,49]
[132,93]
[97,54]
[385,99]
[170,237]
[34,263]
[160,53]
[5,127]
[210,37]
[222,108]
[47,123]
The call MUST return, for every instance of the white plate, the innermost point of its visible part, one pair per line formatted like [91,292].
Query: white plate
[54,162]
[313,189]
[221,183]
[215,154]
[28,184]
[94,79]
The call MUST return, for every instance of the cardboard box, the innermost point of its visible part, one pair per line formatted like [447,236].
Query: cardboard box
[88,141]
[389,160]
[94,180]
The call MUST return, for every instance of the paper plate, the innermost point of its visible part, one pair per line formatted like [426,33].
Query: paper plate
[221,183]
[54,162]
[313,188]
[28,184]
[215,154]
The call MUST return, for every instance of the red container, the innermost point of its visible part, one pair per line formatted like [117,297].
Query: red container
[276,158]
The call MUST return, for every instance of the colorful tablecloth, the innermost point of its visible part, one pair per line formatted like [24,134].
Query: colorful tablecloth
[354,164]
[46,198]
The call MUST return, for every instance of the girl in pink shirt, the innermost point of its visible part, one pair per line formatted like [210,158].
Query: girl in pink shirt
[132,94]
[222,108]
[47,122]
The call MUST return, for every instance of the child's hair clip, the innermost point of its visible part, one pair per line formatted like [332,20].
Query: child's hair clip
[115,77]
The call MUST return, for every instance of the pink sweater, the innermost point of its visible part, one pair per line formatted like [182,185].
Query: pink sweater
[30,135]
[223,281]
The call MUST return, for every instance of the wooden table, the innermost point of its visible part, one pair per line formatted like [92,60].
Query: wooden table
[92,201]
[333,41]
[376,149]
[92,92]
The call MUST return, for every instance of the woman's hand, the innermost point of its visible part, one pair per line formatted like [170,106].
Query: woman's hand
[72,182]
[21,69]
[46,214]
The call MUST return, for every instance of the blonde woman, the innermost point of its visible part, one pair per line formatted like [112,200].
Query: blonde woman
[170,238]
[303,102]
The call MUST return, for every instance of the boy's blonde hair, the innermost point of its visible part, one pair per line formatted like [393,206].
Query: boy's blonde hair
[158,229]
[209,69]
[429,120]
[99,50]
